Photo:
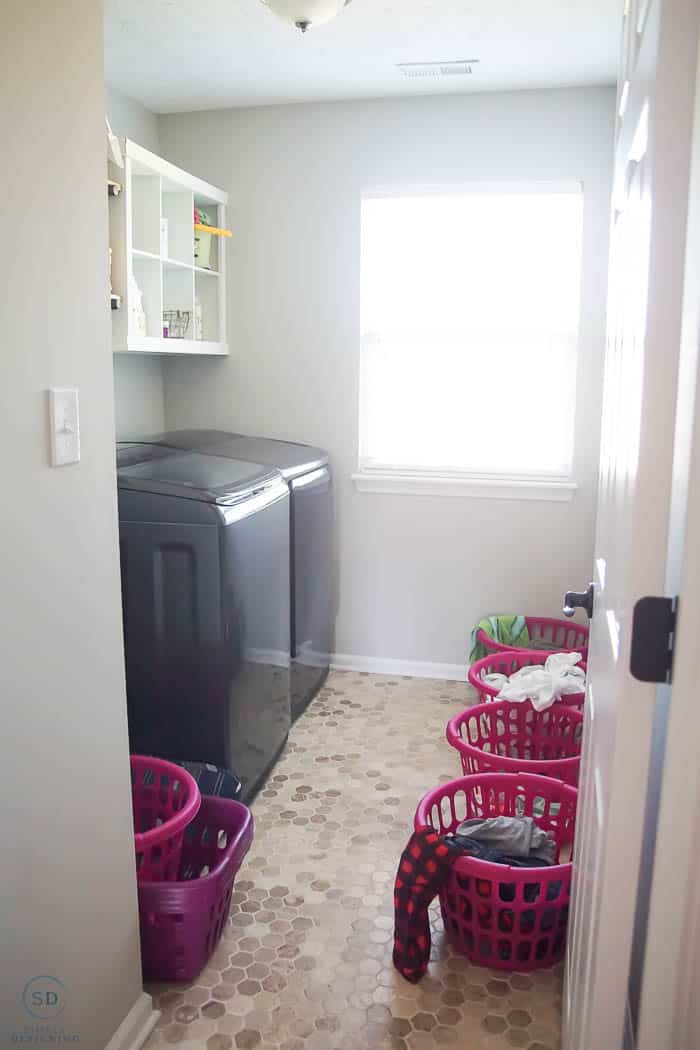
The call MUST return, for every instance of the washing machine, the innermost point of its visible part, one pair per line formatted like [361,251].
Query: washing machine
[205,560]
[312,604]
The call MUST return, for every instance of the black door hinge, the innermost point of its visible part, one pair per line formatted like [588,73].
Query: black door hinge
[653,633]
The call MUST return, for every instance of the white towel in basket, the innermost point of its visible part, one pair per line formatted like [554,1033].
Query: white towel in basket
[542,684]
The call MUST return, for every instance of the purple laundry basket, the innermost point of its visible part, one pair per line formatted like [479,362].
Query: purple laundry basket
[182,922]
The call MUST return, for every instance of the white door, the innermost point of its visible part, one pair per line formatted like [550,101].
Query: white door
[666,960]
[649,216]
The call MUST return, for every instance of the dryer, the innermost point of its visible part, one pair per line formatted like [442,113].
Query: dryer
[205,558]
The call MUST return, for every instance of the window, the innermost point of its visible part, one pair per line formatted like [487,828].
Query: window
[470,315]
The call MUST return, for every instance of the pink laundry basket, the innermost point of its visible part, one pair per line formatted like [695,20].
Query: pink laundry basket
[165,798]
[497,916]
[562,635]
[508,663]
[500,737]
[182,922]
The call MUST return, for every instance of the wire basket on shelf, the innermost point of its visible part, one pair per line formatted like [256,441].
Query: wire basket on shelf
[176,323]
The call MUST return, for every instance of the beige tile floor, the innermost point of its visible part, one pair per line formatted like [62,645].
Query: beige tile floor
[305,962]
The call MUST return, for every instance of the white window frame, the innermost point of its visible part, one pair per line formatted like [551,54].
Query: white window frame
[395,480]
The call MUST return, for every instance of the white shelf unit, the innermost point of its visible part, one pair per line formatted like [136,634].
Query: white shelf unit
[167,276]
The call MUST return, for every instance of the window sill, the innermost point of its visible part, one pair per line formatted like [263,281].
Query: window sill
[470,488]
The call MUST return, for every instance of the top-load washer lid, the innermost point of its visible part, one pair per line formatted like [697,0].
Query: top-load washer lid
[290,459]
[190,475]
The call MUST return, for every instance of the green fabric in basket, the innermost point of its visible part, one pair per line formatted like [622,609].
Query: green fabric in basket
[505,629]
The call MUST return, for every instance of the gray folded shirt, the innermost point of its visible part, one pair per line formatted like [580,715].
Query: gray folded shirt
[517,836]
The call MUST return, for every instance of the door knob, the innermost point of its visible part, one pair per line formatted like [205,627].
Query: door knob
[574,600]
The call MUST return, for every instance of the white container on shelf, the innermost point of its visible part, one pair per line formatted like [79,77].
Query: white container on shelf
[202,249]
[137,318]
[198,326]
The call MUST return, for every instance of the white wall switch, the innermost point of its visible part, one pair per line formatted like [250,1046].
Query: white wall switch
[64,425]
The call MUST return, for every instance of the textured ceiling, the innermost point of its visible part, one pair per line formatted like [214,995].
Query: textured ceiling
[177,55]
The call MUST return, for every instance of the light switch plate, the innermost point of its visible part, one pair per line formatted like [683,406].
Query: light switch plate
[64,425]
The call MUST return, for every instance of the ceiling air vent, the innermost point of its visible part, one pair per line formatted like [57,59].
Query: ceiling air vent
[461,68]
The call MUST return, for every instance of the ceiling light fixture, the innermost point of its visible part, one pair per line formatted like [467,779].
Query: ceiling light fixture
[306,13]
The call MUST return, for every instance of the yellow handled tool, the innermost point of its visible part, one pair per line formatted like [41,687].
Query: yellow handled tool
[213,230]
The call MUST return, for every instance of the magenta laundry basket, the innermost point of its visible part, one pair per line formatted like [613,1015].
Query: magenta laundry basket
[182,922]
[508,663]
[562,635]
[497,916]
[501,737]
[165,798]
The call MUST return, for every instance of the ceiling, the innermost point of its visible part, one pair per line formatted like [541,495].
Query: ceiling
[183,55]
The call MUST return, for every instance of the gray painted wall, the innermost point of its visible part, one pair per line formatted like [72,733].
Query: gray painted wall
[138,381]
[132,120]
[67,879]
[415,572]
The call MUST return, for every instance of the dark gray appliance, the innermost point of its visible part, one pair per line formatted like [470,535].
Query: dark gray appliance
[308,474]
[206,583]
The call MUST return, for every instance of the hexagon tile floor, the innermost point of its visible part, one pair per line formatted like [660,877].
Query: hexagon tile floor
[305,962]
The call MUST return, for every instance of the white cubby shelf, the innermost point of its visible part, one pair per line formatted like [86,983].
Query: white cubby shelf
[166,268]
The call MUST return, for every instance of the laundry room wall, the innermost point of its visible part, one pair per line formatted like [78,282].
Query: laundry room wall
[68,911]
[414,572]
[138,381]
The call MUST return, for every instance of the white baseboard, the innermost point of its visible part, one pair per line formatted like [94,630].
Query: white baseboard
[410,668]
[136,1026]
